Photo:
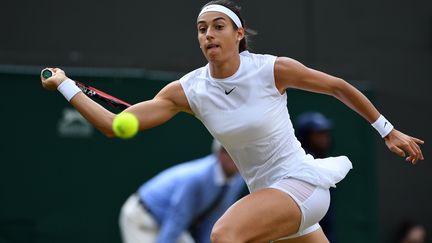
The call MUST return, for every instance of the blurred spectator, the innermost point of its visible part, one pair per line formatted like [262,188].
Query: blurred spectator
[182,203]
[410,232]
[313,130]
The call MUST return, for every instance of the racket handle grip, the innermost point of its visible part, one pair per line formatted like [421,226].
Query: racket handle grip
[46,73]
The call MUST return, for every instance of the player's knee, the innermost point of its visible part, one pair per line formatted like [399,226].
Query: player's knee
[223,234]
[221,237]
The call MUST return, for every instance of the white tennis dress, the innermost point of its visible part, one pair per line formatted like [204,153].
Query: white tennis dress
[249,116]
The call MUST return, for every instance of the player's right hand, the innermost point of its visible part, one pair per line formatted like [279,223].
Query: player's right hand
[55,80]
[404,146]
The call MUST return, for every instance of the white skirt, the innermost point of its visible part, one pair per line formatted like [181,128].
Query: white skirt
[324,173]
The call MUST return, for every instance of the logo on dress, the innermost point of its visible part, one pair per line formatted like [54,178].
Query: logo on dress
[228,92]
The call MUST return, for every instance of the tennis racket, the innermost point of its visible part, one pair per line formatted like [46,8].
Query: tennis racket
[93,93]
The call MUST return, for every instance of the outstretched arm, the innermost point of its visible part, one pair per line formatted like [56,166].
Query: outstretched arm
[168,102]
[290,73]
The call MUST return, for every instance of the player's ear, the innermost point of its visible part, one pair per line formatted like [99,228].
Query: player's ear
[240,33]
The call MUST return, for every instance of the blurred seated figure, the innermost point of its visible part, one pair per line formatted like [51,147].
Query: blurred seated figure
[182,203]
[313,130]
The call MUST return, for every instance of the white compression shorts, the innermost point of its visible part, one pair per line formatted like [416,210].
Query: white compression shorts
[313,202]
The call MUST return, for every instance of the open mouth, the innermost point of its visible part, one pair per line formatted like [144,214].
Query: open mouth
[211,46]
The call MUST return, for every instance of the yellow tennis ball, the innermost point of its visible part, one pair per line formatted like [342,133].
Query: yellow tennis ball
[125,125]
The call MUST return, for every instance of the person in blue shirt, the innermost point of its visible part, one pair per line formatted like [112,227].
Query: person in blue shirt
[182,203]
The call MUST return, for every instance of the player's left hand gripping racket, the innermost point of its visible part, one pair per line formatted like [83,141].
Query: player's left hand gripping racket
[93,93]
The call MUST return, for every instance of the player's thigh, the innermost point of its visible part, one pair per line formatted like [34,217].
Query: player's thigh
[261,216]
[317,236]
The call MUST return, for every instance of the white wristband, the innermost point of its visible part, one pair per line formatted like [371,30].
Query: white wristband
[68,89]
[383,126]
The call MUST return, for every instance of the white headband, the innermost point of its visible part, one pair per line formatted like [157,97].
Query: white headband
[222,9]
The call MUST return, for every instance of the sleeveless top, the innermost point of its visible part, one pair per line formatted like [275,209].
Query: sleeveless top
[250,118]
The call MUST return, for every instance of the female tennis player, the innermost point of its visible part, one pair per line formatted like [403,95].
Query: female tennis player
[241,98]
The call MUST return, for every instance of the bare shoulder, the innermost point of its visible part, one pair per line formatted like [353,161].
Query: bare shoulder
[290,73]
[287,71]
[173,92]
[286,65]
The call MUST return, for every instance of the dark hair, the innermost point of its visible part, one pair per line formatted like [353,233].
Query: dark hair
[243,46]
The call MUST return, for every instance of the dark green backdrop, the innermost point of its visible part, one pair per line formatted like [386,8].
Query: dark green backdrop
[57,188]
